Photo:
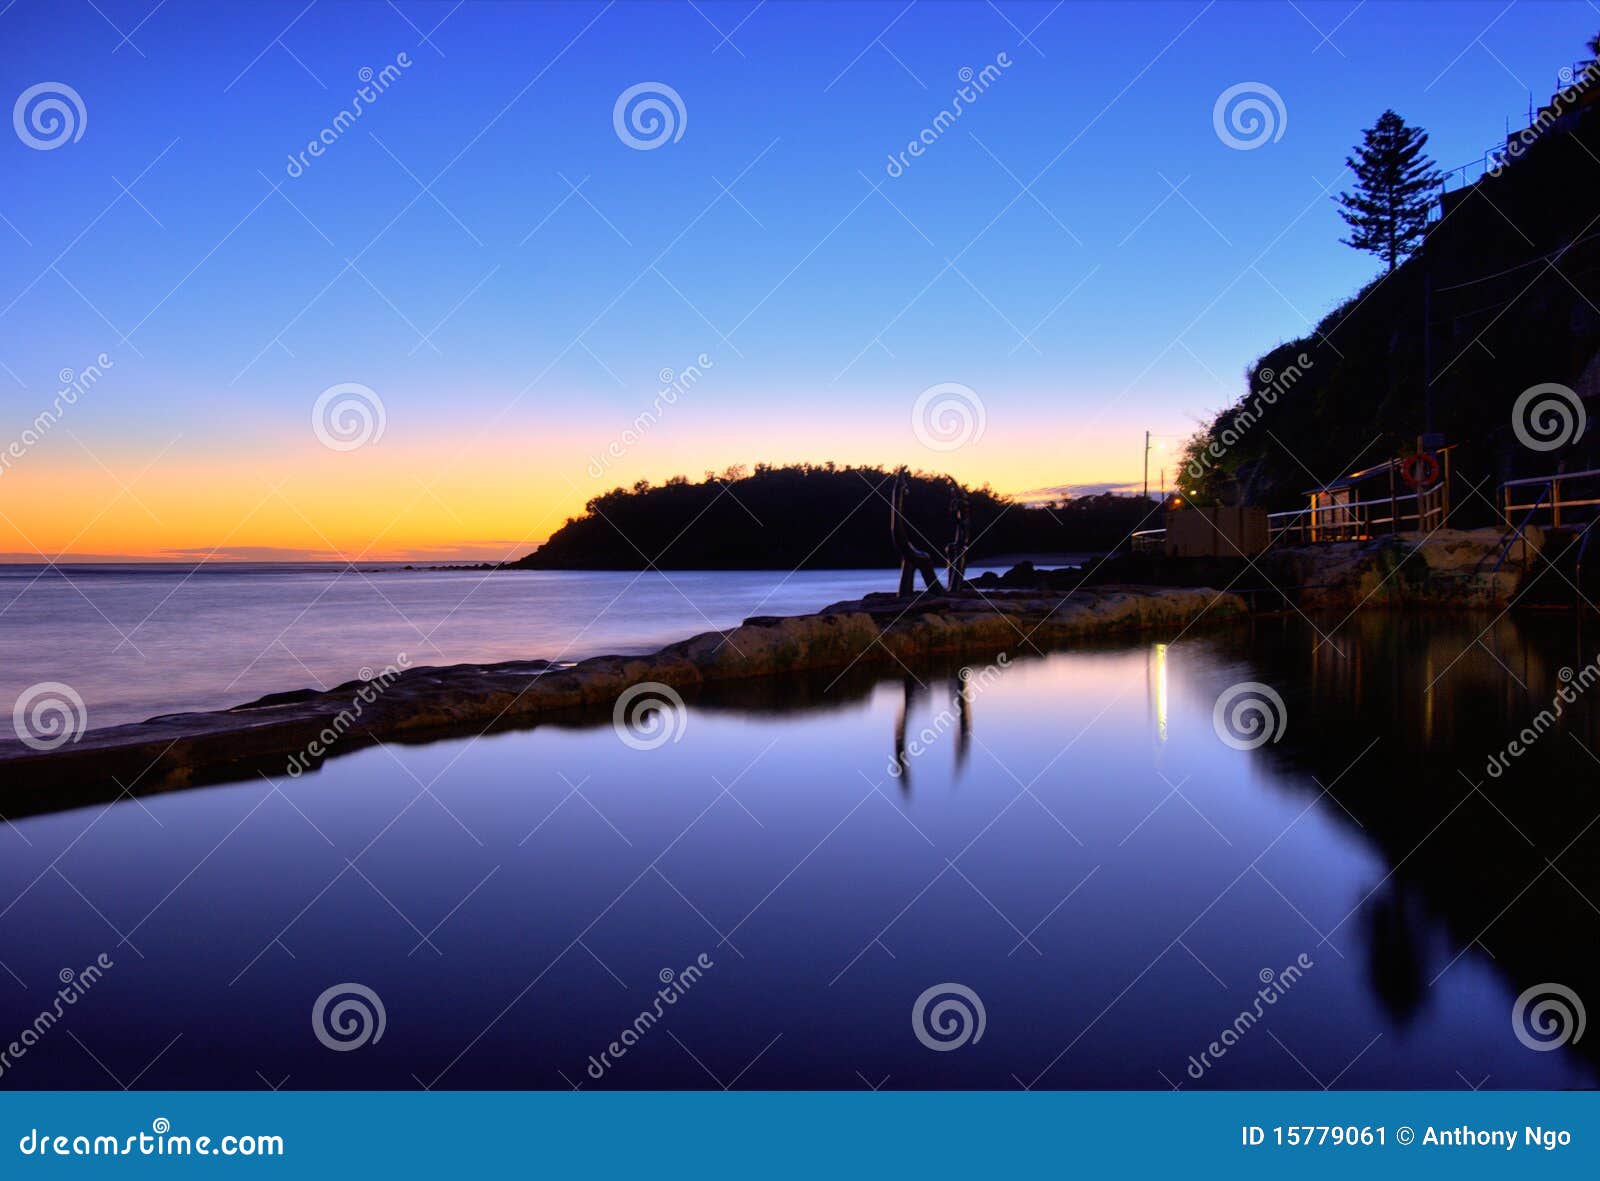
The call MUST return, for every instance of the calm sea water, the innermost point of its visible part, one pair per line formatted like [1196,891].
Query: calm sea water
[136,641]
[1077,847]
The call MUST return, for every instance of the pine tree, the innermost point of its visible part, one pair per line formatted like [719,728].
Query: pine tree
[1388,210]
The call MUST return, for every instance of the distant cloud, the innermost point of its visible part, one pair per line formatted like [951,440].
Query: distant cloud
[30,558]
[251,553]
[471,551]
[1068,491]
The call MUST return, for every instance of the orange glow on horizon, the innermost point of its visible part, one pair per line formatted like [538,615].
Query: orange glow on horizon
[436,499]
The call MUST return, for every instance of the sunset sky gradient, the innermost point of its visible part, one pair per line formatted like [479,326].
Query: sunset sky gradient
[515,315]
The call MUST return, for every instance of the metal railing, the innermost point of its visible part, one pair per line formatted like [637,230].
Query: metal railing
[1464,176]
[1359,520]
[1568,497]
[1355,521]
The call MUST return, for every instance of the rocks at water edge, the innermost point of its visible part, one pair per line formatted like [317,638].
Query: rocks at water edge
[274,734]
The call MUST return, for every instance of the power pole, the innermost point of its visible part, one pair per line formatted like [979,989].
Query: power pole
[1147,465]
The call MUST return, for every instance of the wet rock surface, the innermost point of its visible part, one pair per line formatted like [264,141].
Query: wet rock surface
[287,733]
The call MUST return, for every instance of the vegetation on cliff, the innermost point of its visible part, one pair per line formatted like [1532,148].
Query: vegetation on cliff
[1500,297]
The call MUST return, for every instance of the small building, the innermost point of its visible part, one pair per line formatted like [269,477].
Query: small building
[1219,532]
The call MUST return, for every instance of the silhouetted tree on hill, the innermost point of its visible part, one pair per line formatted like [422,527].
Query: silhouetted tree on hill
[1395,181]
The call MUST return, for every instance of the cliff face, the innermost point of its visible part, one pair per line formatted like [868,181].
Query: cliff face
[1506,285]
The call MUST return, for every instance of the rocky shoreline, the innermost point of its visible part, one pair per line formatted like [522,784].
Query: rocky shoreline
[287,733]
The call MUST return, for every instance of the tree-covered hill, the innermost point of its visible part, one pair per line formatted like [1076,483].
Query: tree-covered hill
[813,517]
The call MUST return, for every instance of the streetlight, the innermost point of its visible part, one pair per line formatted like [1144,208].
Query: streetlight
[1159,447]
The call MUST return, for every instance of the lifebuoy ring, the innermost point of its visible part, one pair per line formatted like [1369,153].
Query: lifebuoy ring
[1420,470]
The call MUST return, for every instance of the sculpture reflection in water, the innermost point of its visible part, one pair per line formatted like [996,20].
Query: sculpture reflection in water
[957,716]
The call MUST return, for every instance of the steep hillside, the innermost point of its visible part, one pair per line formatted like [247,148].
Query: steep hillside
[1503,296]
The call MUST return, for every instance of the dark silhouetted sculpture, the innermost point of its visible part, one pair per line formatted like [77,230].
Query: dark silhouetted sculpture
[912,559]
[956,552]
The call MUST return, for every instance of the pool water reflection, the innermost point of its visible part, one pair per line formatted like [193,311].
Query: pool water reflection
[1073,843]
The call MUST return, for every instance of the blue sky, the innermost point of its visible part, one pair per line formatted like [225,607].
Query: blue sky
[1080,247]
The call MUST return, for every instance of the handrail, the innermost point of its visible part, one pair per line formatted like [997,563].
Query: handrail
[1517,532]
[1527,480]
[1577,570]
[1560,500]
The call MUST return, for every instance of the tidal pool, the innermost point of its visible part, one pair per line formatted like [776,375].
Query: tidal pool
[1111,879]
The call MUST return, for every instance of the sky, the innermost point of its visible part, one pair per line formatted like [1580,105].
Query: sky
[492,260]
